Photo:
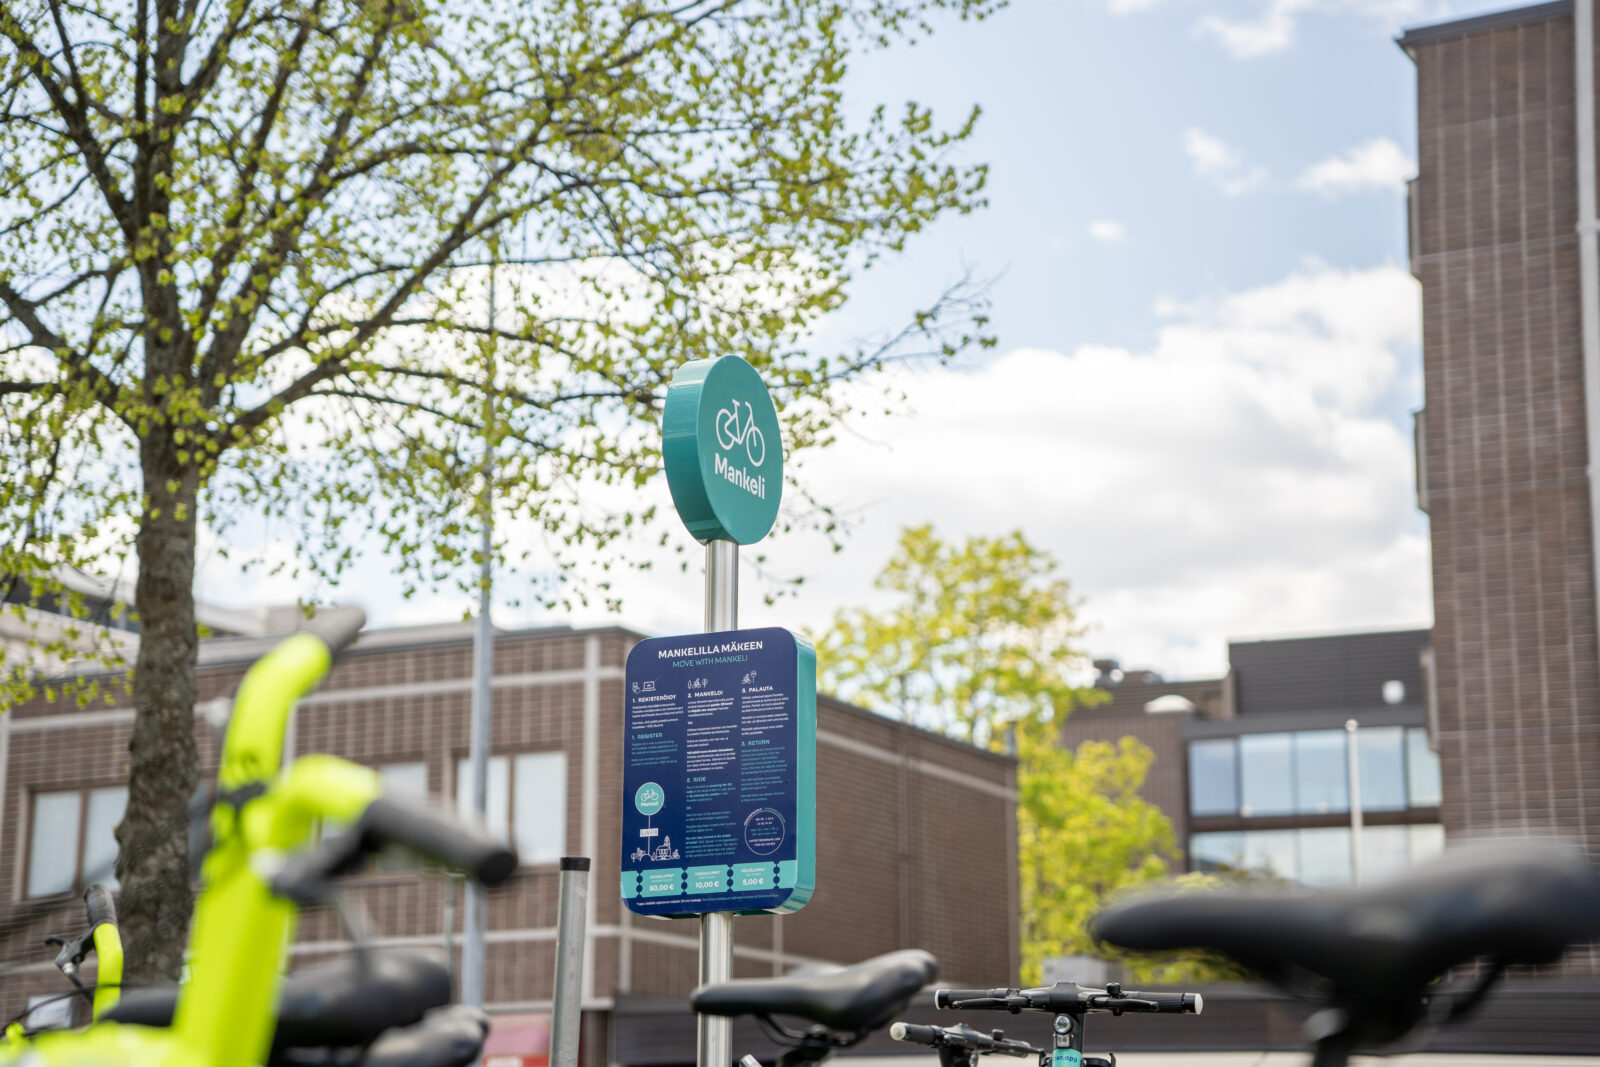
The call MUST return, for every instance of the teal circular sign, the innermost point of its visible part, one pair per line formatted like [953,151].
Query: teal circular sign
[722,450]
[648,798]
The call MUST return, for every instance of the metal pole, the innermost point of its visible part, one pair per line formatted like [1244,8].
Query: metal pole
[714,1047]
[1353,769]
[571,917]
[473,915]
[450,887]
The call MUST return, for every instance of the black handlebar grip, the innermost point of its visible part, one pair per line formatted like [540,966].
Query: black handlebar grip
[946,997]
[916,1034]
[440,836]
[338,626]
[1174,1003]
[98,903]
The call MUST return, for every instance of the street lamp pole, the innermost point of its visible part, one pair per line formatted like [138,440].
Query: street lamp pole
[473,918]
[1353,769]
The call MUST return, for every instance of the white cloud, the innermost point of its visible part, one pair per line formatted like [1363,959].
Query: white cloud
[1221,165]
[1378,164]
[1242,476]
[1273,29]
[1108,231]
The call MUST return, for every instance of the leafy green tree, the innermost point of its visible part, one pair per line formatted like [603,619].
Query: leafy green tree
[980,637]
[243,253]
[979,642]
[1083,835]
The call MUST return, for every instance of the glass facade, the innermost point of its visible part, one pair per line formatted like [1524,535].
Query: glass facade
[1383,768]
[1266,776]
[1305,772]
[1325,857]
[1319,856]
[1422,771]
[1321,780]
[1213,777]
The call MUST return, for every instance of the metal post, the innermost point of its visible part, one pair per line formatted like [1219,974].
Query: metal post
[451,884]
[473,915]
[1353,769]
[566,1013]
[714,1047]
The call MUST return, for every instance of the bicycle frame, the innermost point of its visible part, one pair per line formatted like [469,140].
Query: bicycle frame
[108,975]
[239,940]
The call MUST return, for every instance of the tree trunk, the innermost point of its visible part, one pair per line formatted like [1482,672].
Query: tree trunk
[153,861]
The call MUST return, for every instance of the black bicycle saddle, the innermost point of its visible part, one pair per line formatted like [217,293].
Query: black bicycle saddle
[855,999]
[1374,949]
[343,1004]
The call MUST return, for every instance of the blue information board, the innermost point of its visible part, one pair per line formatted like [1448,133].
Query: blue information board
[719,773]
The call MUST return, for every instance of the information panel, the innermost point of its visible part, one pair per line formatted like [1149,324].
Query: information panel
[719,773]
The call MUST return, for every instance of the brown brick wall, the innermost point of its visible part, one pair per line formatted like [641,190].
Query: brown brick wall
[1504,435]
[916,834]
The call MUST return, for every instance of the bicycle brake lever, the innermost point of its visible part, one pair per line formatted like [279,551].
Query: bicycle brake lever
[72,952]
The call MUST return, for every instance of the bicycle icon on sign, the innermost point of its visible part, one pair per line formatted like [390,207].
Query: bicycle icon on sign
[731,434]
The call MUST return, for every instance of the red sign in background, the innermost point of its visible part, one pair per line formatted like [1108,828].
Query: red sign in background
[518,1041]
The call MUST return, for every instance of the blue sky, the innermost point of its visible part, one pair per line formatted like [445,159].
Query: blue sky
[1209,343]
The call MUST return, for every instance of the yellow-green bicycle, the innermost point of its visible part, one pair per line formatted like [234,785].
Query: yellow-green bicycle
[236,1009]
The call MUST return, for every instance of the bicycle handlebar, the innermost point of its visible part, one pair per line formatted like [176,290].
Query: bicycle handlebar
[1069,998]
[962,1036]
[338,627]
[99,905]
[434,833]
[440,836]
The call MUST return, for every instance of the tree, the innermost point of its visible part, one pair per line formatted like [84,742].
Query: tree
[979,643]
[243,258]
[1083,835]
[981,637]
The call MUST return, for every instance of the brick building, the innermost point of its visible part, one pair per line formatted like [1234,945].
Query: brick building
[1504,470]
[916,833]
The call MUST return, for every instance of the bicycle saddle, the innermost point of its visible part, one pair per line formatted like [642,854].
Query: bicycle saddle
[856,998]
[448,1037]
[340,1004]
[1373,950]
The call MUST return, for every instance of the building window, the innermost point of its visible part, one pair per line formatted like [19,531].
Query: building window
[1306,772]
[1427,841]
[1325,856]
[1216,851]
[1266,785]
[1422,770]
[1321,773]
[1317,856]
[526,802]
[1383,767]
[1274,853]
[72,839]
[1213,777]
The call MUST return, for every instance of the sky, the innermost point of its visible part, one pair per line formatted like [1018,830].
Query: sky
[1209,343]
